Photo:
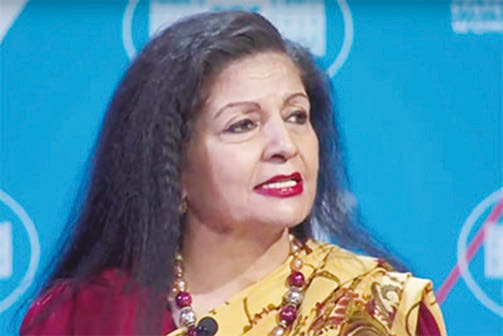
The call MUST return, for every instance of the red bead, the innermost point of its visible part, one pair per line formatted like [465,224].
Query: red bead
[296,279]
[183,299]
[192,332]
[288,314]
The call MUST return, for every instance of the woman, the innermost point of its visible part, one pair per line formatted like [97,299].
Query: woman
[217,165]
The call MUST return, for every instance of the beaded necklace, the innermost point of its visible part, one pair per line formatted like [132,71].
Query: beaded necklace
[287,314]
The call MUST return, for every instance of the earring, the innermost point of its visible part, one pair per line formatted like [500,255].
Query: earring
[182,207]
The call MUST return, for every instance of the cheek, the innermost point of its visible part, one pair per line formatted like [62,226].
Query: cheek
[229,168]
[311,153]
[316,158]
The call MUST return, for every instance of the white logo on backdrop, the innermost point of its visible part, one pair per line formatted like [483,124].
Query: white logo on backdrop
[493,251]
[9,11]
[6,255]
[301,21]
[6,250]
[493,262]
[477,16]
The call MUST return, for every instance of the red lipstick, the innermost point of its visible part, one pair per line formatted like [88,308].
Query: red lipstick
[281,186]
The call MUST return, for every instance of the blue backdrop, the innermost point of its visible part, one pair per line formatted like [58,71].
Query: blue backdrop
[418,88]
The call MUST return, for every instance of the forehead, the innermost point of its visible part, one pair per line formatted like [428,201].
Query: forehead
[255,77]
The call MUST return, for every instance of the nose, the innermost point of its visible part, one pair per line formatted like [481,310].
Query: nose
[279,144]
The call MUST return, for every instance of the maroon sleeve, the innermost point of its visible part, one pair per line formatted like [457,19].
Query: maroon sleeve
[99,307]
[50,314]
[426,324]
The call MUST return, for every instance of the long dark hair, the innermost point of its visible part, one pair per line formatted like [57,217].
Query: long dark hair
[129,216]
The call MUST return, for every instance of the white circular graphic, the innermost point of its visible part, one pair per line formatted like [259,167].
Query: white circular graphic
[272,13]
[348,39]
[127,27]
[34,247]
[462,243]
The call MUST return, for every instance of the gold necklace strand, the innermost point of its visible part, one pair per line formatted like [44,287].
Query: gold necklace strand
[287,314]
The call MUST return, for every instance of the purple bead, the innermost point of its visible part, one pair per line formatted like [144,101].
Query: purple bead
[288,314]
[192,332]
[183,299]
[296,279]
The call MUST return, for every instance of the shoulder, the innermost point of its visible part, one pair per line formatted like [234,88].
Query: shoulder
[68,307]
[325,260]
[348,290]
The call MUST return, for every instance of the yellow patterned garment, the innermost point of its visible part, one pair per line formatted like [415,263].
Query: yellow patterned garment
[345,294]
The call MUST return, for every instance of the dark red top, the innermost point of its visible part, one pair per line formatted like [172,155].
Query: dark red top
[81,312]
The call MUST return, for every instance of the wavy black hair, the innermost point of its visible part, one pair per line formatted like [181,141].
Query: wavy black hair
[128,218]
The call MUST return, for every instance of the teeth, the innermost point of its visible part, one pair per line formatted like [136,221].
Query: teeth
[279,185]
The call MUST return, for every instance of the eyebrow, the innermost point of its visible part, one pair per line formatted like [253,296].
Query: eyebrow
[234,104]
[295,95]
[255,104]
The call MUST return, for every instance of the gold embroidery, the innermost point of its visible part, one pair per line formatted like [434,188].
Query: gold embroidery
[325,274]
[407,316]
[261,314]
[346,295]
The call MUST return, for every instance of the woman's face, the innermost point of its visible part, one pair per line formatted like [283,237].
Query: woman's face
[252,161]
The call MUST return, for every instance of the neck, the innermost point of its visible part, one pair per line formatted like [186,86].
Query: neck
[219,264]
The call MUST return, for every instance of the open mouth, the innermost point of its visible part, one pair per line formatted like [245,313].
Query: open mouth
[278,185]
[281,186]
[281,181]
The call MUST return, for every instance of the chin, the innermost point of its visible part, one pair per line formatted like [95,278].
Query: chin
[284,220]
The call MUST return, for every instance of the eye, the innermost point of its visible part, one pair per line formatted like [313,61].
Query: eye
[241,126]
[297,117]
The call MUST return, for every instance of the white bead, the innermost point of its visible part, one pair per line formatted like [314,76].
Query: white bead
[294,296]
[296,264]
[278,331]
[180,285]
[187,317]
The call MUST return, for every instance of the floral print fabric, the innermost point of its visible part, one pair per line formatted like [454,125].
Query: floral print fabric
[346,294]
